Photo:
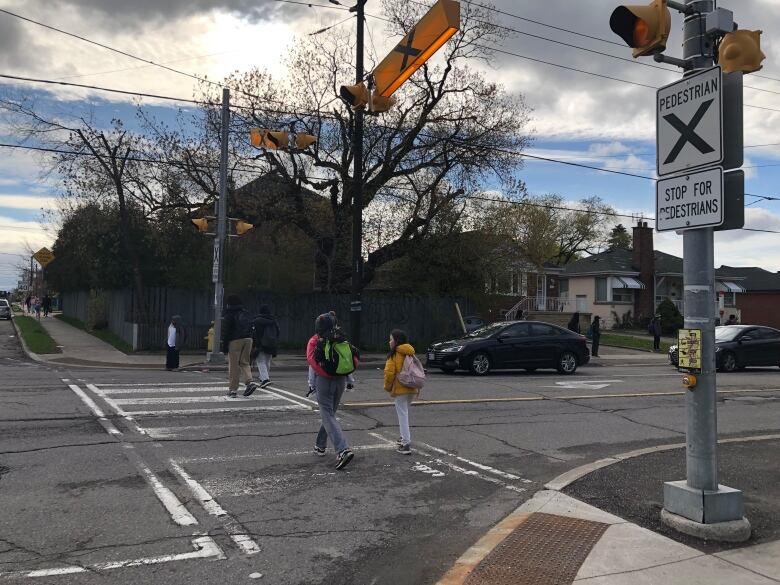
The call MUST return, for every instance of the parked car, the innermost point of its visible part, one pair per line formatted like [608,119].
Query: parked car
[5,309]
[527,345]
[739,346]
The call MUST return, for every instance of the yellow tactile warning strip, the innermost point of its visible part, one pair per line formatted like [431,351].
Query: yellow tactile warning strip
[535,549]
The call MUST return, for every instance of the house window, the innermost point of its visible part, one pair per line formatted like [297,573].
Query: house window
[622,295]
[601,290]
[564,288]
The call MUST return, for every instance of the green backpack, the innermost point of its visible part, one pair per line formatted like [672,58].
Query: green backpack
[338,355]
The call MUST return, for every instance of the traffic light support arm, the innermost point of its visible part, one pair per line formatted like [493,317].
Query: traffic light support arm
[682,8]
[681,63]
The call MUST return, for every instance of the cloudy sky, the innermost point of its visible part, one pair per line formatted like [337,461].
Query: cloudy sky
[579,115]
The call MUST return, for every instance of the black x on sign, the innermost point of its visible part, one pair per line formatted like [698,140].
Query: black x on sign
[689,123]
[406,49]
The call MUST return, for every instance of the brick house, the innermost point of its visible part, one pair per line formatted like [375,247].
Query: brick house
[760,303]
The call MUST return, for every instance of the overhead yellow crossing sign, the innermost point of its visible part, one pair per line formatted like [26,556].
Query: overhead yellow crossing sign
[426,37]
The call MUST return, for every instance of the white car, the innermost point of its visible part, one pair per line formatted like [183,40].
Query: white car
[5,309]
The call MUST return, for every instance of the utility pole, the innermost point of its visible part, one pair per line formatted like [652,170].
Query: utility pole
[355,305]
[700,505]
[218,267]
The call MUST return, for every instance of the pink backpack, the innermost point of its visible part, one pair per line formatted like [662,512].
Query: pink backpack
[412,373]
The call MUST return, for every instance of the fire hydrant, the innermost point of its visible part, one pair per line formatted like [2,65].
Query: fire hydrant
[210,338]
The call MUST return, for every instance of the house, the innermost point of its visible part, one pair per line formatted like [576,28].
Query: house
[759,304]
[623,286]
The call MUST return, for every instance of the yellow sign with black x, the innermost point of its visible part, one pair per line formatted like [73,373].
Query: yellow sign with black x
[426,37]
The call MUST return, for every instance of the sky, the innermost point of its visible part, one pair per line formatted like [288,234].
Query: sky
[579,114]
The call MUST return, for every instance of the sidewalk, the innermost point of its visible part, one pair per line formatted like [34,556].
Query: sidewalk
[557,538]
[79,348]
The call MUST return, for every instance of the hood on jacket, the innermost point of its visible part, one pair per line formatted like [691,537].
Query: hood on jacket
[405,349]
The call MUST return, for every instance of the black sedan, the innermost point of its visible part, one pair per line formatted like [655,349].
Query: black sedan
[739,346]
[527,345]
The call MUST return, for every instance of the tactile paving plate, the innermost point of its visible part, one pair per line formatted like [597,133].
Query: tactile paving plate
[545,550]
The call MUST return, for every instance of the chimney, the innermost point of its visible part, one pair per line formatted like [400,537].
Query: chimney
[643,260]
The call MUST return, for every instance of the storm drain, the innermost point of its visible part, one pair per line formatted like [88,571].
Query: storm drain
[544,550]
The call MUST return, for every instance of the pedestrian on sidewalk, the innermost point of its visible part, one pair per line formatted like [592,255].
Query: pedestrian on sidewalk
[595,330]
[175,342]
[403,395]
[329,387]
[28,304]
[265,341]
[654,328]
[237,343]
[574,322]
[37,307]
[46,303]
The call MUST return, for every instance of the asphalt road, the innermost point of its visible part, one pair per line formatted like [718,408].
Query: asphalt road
[152,476]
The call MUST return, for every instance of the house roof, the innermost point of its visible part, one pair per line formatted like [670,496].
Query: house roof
[755,279]
[620,261]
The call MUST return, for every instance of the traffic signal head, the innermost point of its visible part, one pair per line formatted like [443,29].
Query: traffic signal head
[243,227]
[304,141]
[740,50]
[380,103]
[201,223]
[276,140]
[644,28]
[256,136]
[355,95]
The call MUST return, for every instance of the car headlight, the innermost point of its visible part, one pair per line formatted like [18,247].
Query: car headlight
[672,348]
[452,349]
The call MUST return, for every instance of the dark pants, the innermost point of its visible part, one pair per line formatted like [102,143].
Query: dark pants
[595,345]
[656,342]
[172,358]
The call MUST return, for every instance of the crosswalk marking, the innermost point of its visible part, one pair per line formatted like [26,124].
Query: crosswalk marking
[191,399]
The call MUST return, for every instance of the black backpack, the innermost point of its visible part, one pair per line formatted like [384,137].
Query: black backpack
[244,326]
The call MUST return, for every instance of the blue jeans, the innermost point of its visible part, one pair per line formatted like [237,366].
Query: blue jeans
[329,392]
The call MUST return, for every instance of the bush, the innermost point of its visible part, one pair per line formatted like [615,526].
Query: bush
[97,315]
[671,319]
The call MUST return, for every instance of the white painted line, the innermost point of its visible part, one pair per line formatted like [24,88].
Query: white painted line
[293,395]
[219,390]
[205,498]
[104,422]
[166,384]
[205,548]
[191,399]
[118,409]
[175,508]
[170,412]
[479,475]
[308,452]
[236,532]
[165,432]
[492,470]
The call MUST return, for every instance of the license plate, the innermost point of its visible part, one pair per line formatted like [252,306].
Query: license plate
[431,356]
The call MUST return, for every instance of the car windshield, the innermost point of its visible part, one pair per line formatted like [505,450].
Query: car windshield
[486,331]
[727,333]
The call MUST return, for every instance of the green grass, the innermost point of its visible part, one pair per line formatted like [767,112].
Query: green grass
[35,336]
[102,334]
[632,342]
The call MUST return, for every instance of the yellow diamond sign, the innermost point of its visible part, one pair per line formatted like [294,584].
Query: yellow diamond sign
[426,37]
[44,257]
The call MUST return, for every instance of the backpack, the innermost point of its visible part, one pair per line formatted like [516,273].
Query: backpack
[244,327]
[270,336]
[412,373]
[336,354]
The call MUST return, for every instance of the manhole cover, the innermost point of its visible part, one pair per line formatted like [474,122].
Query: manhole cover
[545,550]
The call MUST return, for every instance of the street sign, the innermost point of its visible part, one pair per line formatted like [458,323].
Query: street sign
[689,123]
[215,263]
[689,201]
[733,201]
[44,257]
[426,37]
[689,349]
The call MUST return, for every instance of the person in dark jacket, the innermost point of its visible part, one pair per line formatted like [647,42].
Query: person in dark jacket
[655,330]
[237,343]
[174,343]
[46,304]
[574,322]
[595,331]
[265,343]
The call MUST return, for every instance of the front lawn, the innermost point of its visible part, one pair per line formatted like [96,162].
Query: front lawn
[632,342]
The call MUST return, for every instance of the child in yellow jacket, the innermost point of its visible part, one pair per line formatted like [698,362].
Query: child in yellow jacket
[403,395]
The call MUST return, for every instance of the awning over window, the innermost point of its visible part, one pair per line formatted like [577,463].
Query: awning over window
[731,286]
[628,282]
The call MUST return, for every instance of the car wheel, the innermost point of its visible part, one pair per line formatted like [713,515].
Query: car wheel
[479,364]
[567,363]
[729,362]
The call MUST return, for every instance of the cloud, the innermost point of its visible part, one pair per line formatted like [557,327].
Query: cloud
[27,202]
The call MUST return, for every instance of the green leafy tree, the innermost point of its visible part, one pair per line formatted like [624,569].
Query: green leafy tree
[619,238]
[671,319]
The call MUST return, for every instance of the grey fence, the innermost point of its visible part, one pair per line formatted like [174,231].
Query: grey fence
[423,318]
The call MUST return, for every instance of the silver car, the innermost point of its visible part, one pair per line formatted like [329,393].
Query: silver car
[5,309]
